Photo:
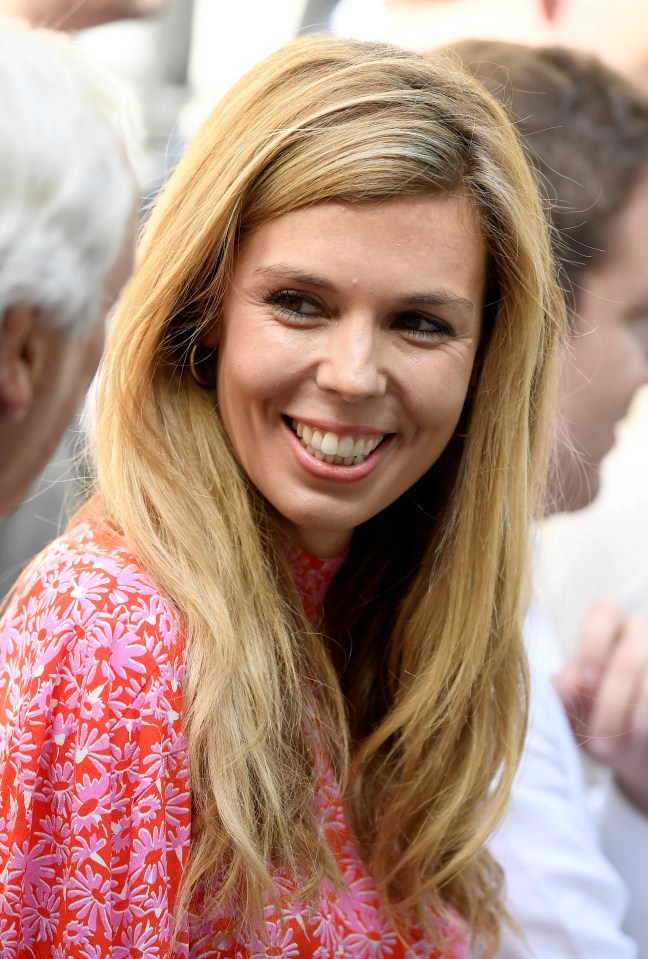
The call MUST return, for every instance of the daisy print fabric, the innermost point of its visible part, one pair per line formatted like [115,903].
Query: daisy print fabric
[95,803]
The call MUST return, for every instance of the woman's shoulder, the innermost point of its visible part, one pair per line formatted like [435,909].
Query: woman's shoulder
[86,598]
[95,789]
[89,563]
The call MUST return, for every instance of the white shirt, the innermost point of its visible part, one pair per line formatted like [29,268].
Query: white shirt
[576,878]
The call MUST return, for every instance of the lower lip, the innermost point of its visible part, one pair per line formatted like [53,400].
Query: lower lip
[332,472]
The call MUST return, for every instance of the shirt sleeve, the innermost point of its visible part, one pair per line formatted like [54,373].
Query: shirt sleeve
[94,813]
[564,894]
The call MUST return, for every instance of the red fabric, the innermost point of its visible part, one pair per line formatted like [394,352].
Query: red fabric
[95,806]
[312,576]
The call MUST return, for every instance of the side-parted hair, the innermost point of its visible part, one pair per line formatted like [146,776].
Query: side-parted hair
[66,184]
[426,724]
[585,130]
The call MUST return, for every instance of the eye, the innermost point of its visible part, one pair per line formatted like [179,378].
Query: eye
[293,303]
[423,324]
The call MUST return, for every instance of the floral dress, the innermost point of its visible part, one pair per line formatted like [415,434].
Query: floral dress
[95,807]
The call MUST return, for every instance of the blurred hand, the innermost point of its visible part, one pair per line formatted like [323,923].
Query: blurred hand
[605,694]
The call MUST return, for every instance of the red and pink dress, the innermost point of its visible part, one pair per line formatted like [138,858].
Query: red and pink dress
[95,806]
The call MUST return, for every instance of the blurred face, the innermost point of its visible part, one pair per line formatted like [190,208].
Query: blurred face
[64,15]
[57,372]
[608,358]
[346,348]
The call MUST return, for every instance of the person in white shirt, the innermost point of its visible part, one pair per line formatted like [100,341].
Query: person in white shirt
[586,131]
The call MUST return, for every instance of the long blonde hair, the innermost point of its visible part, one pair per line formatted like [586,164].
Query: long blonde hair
[430,714]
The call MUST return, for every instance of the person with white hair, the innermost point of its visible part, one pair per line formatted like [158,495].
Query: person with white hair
[68,205]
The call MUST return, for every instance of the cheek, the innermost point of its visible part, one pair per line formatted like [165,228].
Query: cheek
[254,356]
[249,379]
[616,368]
[440,399]
[233,401]
[250,384]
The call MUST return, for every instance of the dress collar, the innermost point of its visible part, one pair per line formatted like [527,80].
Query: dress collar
[312,577]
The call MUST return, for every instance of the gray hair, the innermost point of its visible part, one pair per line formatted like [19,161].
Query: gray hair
[66,184]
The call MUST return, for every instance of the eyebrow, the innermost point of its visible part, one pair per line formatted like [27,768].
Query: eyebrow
[438,297]
[289,273]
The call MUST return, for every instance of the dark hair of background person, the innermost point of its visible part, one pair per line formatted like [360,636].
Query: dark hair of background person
[585,129]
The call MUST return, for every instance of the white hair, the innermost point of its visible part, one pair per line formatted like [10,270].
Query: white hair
[67,188]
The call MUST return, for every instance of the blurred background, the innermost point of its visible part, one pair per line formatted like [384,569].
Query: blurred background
[180,56]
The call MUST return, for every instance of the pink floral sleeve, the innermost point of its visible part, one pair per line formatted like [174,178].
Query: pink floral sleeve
[94,808]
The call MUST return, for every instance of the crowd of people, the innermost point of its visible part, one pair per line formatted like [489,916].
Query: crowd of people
[284,686]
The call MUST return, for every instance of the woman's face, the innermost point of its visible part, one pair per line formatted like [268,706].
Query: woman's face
[346,348]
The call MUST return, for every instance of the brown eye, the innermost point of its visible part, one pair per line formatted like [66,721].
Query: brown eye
[294,303]
[422,324]
[297,304]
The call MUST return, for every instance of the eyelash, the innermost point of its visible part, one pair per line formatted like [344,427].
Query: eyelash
[439,331]
[275,297]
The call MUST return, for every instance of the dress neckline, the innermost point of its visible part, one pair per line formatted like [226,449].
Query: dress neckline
[313,576]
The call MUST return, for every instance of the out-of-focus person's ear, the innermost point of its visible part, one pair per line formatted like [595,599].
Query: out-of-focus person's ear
[18,361]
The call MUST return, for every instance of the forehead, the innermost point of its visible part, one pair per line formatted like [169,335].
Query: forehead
[456,205]
[401,240]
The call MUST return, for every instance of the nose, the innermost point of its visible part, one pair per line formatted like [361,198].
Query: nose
[351,363]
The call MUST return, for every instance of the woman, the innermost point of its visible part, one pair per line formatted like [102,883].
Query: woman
[330,370]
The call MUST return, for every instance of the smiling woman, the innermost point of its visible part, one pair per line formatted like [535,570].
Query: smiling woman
[343,367]
[290,614]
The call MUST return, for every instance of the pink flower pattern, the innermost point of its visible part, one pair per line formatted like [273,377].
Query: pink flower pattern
[95,805]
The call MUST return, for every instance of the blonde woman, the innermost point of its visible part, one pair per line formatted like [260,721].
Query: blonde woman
[266,697]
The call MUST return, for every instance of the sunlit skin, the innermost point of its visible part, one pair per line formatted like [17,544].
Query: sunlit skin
[359,320]
[608,353]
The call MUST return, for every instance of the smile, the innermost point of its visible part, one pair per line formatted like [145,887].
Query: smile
[340,450]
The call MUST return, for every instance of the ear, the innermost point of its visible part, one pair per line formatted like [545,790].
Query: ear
[17,361]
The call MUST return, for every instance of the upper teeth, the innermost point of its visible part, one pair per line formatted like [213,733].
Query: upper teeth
[331,447]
